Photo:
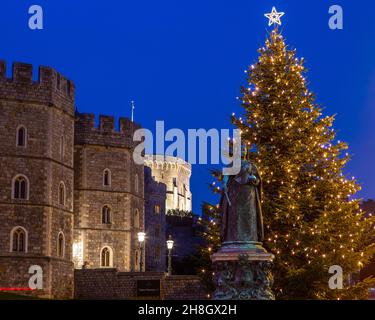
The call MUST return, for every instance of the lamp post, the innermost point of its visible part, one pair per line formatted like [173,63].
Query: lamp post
[141,239]
[170,247]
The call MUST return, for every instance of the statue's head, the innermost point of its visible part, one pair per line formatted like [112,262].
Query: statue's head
[245,150]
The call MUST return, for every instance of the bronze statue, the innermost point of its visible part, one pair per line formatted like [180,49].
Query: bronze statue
[240,204]
[242,267]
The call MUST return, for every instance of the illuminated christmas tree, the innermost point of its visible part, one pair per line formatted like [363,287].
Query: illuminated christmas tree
[311,218]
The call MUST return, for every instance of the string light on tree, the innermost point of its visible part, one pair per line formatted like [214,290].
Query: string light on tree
[312,219]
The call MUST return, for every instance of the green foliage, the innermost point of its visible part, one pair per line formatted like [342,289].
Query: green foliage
[312,221]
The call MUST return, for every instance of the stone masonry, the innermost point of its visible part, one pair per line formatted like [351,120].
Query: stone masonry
[98,149]
[106,284]
[61,161]
[155,222]
[72,197]
[45,108]
[175,174]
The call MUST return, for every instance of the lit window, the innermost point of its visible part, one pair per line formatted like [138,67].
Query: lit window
[157,208]
[106,215]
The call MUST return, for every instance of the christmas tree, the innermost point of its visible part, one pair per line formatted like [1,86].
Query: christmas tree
[312,221]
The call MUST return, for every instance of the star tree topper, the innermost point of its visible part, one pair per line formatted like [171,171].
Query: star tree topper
[274,17]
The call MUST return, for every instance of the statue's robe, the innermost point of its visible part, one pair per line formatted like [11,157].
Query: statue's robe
[242,219]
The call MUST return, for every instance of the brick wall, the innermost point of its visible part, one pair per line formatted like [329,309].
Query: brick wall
[111,284]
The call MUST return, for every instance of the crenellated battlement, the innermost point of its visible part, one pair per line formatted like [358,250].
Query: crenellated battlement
[87,132]
[51,88]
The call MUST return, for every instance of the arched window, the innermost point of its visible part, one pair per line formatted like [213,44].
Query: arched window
[62,194]
[21,136]
[106,257]
[20,187]
[157,208]
[106,215]
[136,183]
[106,177]
[61,245]
[136,219]
[18,240]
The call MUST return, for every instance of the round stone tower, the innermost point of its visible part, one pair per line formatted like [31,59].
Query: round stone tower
[175,174]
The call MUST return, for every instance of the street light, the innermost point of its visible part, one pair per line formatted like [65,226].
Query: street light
[170,247]
[141,239]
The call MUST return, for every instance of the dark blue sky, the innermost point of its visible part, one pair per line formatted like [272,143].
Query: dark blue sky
[183,61]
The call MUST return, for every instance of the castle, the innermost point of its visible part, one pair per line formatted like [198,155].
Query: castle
[71,195]
[175,173]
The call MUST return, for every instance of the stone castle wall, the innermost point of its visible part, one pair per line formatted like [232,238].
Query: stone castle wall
[98,149]
[155,195]
[67,147]
[111,284]
[45,108]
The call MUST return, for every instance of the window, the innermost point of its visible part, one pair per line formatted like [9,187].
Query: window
[18,240]
[136,257]
[20,188]
[106,257]
[68,87]
[136,218]
[175,182]
[157,252]
[61,245]
[58,81]
[157,231]
[106,215]
[21,136]
[62,147]
[136,183]
[62,194]
[106,177]
[157,208]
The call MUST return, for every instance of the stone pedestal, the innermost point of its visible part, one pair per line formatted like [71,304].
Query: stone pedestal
[242,271]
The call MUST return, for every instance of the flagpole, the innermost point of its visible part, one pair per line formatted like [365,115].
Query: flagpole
[132,103]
